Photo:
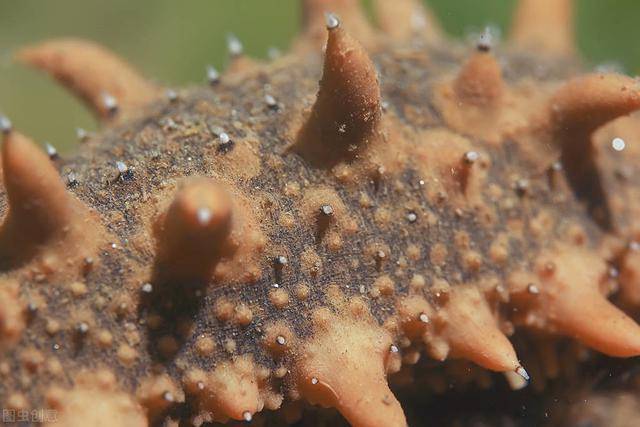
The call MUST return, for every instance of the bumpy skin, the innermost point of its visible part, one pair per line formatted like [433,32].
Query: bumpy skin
[254,255]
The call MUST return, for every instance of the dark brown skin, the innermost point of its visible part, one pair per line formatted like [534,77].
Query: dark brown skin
[251,259]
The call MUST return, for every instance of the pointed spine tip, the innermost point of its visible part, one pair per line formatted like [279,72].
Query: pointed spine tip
[472,331]
[523,373]
[359,389]
[319,15]
[331,20]
[572,289]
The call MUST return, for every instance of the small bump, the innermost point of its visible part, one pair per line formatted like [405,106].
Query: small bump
[247,416]
[82,135]
[280,340]
[423,318]
[146,288]
[412,217]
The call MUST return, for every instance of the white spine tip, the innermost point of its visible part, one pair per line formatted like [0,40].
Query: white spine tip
[213,76]
[110,102]
[247,416]
[618,144]
[171,95]
[5,125]
[51,151]
[224,138]
[523,373]
[331,20]
[485,40]
[204,216]
[471,157]
[234,45]
[273,53]
[270,101]
[82,134]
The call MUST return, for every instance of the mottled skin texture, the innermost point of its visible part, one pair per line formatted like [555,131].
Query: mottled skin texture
[415,228]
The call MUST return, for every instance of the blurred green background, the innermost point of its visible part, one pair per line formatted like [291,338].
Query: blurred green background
[173,41]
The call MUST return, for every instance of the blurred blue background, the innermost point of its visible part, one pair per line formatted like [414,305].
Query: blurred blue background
[173,41]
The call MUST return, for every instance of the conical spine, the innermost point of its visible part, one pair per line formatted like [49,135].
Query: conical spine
[109,86]
[347,113]
[192,234]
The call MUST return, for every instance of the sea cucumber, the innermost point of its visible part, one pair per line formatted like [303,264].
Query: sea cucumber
[259,247]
